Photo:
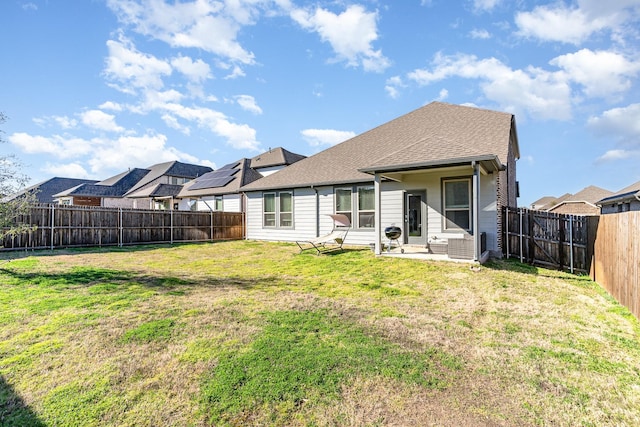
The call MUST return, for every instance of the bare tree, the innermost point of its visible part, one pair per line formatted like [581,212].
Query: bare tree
[12,181]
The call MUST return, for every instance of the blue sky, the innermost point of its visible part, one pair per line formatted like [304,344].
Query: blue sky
[93,87]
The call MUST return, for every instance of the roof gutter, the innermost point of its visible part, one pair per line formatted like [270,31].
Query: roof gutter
[487,160]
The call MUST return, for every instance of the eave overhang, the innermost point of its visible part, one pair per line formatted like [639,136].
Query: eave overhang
[490,163]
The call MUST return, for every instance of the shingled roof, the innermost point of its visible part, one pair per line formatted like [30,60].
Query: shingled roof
[45,190]
[173,168]
[275,157]
[436,134]
[115,186]
[626,193]
[239,173]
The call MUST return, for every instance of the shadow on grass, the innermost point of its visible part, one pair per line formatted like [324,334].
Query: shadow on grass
[90,276]
[13,410]
[519,267]
[10,255]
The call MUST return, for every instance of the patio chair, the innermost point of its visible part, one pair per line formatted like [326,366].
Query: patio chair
[329,242]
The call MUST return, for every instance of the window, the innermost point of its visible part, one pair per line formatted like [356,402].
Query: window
[286,209]
[177,180]
[277,209]
[457,204]
[269,209]
[343,202]
[217,204]
[366,207]
[364,198]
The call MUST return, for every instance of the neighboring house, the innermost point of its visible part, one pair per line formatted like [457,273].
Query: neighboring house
[583,202]
[219,190]
[152,188]
[442,173]
[159,189]
[548,202]
[45,190]
[627,199]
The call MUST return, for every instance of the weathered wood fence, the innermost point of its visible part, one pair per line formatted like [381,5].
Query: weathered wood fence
[77,226]
[548,239]
[607,247]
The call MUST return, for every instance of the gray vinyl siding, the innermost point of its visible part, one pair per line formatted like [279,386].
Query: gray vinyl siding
[304,218]
[392,204]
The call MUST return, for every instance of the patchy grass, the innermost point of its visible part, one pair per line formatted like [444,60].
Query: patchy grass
[251,333]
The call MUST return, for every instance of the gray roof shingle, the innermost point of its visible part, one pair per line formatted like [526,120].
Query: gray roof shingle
[437,132]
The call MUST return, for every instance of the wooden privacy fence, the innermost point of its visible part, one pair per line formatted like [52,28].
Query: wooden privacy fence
[548,239]
[75,226]
[607,247]
[616,264]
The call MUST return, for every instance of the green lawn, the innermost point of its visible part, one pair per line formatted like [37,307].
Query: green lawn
[252,333]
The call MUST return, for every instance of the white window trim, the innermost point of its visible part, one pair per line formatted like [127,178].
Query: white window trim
[444,204]
[359,211]
[277,211]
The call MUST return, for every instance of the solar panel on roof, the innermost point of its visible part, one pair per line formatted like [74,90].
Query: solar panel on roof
[230,166]
[212,182]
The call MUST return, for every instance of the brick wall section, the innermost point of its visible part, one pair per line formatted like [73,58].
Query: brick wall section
[506,189]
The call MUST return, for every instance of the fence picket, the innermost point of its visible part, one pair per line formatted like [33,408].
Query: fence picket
[76,226]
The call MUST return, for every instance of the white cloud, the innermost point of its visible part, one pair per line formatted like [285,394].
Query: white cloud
[131,69]
[444,94]
[480,34]
[620,124]
[317,137]
[485,5]
[110,105]
[240,136]
[248,102]
[602,73]
[613,155]
[196,71]
[63,122]
[212,26]
[29,6]
[393,86]
[58,146]
[576,23]
[97,119]
[350,34]
[68,170]
[541,93]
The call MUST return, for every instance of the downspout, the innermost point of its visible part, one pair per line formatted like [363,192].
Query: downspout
[476,211]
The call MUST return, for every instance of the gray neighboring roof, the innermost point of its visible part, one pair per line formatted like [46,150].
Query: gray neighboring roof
[173,168]
[590,194]
[275,157]
[116,186]
[627,193]
[543,201]
[245,175]
[46,189]
[436,134]
[133,180]
[157,191]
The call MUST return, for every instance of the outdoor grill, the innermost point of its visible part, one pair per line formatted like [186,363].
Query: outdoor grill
[393,233]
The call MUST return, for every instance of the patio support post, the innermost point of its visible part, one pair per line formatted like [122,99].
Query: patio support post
[476,211]
[378,215]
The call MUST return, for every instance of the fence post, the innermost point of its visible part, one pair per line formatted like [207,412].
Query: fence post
[121,225]
[571,243]
[521,239]
[53,216]
[562,236]
[506,215]
[171,224]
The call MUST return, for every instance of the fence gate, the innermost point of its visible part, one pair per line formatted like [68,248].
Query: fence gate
[547,239]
